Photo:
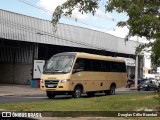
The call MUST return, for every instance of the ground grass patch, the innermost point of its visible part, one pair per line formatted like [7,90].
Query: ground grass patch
[123,102]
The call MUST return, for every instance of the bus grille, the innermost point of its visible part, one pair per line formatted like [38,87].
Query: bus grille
[51,83]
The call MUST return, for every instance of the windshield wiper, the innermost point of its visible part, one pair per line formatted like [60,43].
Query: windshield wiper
[59,71]
[45,72]
[53,72]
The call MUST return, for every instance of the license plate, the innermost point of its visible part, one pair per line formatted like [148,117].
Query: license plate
[50,85]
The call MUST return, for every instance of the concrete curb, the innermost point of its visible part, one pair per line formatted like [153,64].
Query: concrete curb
[125,89]
[6,94]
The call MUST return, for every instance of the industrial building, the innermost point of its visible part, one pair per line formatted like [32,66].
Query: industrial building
[24,39]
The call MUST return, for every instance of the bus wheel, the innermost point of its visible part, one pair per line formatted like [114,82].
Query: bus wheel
[107,92]
[90,94]
[50,94]
[112,90]
[77,92]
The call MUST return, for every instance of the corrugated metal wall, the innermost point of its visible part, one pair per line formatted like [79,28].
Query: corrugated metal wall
[16,58]
[16,52]
[24,28]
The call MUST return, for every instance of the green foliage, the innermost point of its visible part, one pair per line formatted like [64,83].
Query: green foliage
[156,53]
[144,17]
[84,6]
[122,102]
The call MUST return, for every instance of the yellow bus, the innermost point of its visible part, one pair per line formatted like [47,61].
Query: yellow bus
[74,73]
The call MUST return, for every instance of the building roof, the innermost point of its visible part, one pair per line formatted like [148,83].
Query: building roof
[20,27]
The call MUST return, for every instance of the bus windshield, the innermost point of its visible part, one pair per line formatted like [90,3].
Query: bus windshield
[59,64]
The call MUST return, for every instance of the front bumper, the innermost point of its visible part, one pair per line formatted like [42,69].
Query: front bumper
[56,86]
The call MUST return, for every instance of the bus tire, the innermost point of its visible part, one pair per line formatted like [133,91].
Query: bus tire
[106,92]
[112,90]
[90,94]
[50,94]
[77,92]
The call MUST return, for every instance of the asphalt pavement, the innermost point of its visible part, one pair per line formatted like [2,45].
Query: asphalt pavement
[27,90]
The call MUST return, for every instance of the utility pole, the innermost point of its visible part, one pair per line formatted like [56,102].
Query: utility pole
[136,72]
[136,68]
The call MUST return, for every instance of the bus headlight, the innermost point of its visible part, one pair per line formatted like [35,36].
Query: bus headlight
[42,81]
[65,80]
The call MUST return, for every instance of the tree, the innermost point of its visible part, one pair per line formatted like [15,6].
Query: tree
[155,56]
[144,18]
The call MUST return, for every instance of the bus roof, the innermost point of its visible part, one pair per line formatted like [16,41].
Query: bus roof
[92,56]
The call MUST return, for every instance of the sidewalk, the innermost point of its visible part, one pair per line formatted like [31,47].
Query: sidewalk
[19,90]
[27,90]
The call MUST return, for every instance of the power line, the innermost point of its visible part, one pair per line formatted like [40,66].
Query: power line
[75,20]
[35,6]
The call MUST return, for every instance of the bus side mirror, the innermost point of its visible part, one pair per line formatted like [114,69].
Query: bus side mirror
[76,70]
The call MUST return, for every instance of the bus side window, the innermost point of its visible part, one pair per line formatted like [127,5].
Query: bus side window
[76,66]
[87,65]
[108,66]
[124,67]
[97,65]
[79,65]
[105,66]
[112,67]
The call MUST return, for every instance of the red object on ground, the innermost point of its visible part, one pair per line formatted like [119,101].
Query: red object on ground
[38,83]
